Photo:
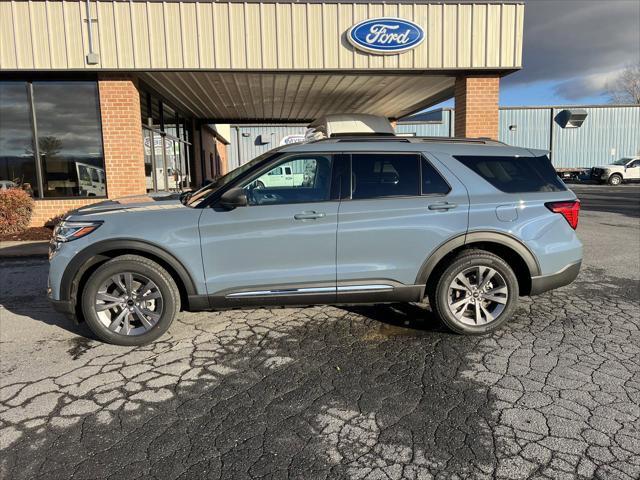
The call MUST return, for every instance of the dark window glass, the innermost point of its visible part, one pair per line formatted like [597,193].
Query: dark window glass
[69,138]
[17,159]
[145,107]
[432,181]
[384,175]
[516,174]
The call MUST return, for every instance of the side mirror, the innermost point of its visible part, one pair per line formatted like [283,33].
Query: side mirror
[236,197]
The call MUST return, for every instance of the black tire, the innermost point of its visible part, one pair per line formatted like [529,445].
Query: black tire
[615,180]
[137,265]
[439,291]
[259,184]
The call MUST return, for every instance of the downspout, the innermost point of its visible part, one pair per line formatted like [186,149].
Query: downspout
[551,135]
[238,146]
[92,57]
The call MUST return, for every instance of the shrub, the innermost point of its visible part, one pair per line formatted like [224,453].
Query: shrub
[16,207]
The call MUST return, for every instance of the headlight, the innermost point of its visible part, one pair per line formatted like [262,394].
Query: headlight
[67,231]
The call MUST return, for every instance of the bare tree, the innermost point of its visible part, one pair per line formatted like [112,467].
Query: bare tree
[626,88]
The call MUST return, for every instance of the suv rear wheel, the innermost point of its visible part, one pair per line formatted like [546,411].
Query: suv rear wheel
[476,293]
[130,300]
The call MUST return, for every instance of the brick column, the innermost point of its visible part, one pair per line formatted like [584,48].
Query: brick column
[122,135]
[477,106]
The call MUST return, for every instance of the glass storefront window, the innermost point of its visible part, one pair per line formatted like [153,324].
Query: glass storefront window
[149,160]
[167,145]
[17,159]
[69,139]
[67,159]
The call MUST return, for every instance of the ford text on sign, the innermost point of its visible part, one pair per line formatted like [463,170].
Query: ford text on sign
[385,35]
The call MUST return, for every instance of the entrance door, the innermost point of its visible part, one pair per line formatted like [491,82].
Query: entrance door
[282,244]
[401,210]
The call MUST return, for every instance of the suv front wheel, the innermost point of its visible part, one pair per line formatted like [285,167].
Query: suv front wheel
[130,300]
[477,293]
[615,179]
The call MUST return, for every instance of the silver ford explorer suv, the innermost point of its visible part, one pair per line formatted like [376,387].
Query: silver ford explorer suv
[470,225]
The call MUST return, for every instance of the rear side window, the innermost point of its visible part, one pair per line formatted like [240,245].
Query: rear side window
[384,175]
[432,181]
[515,174]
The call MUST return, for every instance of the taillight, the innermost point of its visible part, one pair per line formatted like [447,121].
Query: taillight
[569,210]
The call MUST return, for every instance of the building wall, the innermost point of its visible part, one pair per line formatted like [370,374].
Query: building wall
[249,141]
[250,35]
[606,128]
[528,127]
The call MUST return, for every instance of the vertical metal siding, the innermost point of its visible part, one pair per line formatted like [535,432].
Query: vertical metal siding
[245,140]
[604,129]
[425,129]
[532,126]
[202,34]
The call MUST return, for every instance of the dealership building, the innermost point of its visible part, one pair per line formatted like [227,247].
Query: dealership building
[103,99]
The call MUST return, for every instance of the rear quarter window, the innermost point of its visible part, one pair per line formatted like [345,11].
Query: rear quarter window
[515,174]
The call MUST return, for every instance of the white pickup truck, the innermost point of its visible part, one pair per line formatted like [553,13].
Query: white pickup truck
[623,170]
[281,177]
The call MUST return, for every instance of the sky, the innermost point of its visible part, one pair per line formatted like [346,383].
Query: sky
[572,48]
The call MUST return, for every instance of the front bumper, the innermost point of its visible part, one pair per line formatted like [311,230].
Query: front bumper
[544,283]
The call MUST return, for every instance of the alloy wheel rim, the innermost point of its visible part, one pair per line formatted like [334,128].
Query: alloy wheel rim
[477,295]
[129,303]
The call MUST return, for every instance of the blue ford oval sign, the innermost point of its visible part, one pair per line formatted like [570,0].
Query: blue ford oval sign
[385,35]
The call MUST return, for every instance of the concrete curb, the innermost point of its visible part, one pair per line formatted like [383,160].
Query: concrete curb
[15,249]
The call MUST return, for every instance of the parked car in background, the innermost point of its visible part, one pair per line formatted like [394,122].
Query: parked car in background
[618,172]
[7,184]
[470,224]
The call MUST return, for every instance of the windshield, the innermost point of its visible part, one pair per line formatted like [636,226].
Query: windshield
[199,195]
[622,161]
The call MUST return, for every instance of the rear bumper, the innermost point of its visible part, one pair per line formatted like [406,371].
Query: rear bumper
[544,283]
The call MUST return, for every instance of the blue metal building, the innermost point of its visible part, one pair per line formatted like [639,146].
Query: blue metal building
[602,133]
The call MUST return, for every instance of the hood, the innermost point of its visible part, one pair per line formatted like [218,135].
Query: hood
[138,203]
[610,167]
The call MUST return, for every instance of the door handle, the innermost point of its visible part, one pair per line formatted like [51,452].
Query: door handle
[312,215]
[442,206]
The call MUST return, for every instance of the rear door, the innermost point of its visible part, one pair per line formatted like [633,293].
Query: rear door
[400,209]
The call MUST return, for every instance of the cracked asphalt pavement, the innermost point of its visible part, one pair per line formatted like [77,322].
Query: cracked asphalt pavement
[379,392]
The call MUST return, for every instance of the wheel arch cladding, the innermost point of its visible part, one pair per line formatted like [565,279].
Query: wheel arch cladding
[89,259]
[516,254]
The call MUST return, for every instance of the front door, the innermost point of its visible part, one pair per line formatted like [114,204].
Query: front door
[633,171]
[401,209]
[282,247]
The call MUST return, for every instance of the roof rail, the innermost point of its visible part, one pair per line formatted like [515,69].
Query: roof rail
[481,140]
[403,139]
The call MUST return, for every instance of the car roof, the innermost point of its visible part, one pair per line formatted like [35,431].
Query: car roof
[449,146]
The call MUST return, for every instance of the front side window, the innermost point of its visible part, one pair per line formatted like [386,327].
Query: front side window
[515,174]
[17,156]
[301,179]
[384,175]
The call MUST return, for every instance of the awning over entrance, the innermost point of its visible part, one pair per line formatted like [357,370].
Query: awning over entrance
[286,97]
